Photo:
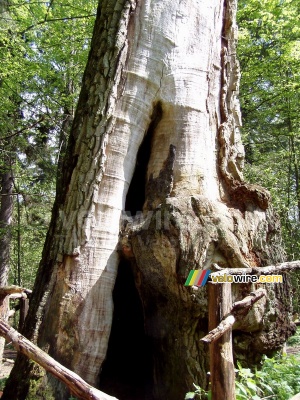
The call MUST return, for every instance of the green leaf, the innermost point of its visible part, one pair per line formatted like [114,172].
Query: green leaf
[189,395]
[251,385]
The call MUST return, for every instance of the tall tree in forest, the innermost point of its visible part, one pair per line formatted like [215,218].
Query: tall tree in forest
[40,74]
[42,63]
[6,210]
[269,52]
[156,134]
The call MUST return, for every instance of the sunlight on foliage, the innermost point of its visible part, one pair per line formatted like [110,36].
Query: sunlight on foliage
[43,49]
[277,378]
[268,47]
[268,50]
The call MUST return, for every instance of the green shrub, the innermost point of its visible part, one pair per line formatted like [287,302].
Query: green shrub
[295,339]
[199,393]
[2,383]
[278,378]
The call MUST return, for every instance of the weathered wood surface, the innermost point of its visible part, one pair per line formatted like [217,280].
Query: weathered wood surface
[238,310]
[220,350]
[217,332]
[12,290]
[239,307]
[271,269]
[77,385]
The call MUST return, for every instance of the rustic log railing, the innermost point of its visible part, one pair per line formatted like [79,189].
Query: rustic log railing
[14,292]
[222,317]
[77,386]
[238,310]
[271,269]
[220,349]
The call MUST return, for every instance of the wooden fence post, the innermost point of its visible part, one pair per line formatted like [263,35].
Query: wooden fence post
[24,306]
[220,351]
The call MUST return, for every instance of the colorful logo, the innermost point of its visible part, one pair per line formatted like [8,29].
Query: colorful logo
[197,277]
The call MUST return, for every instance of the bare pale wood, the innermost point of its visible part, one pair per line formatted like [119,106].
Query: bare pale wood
[77,385]
[223,327]
[271,269]
[238,310]
[247,302]
[13,290]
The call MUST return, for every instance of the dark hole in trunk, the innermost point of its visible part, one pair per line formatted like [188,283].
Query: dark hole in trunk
[127,370]
[136,193]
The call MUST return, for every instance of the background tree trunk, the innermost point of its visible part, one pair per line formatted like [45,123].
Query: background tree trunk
[6,210]
[156,129]
[5,221]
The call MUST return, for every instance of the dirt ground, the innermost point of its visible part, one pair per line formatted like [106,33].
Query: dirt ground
[9,357]
[5,369]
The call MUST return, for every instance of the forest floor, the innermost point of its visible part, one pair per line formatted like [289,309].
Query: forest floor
[5,369]
[293,350]
[10,356]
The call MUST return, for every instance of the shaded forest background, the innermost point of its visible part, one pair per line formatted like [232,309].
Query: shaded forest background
[43,52]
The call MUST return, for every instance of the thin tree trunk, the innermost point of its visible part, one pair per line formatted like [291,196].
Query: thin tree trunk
[296,174]
[5,222]
[5,240]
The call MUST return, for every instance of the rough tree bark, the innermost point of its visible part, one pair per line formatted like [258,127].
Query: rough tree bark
[156,130]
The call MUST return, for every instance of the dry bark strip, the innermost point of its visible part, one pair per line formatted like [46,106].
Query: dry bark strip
[9,290]
[239,309]
[219,331]
[77,385]
[271,269]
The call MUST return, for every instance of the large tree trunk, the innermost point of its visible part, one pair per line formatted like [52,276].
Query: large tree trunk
[162,77]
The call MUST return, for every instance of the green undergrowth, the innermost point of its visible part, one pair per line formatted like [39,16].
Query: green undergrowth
[294,340]
[2,383]
[277,378]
